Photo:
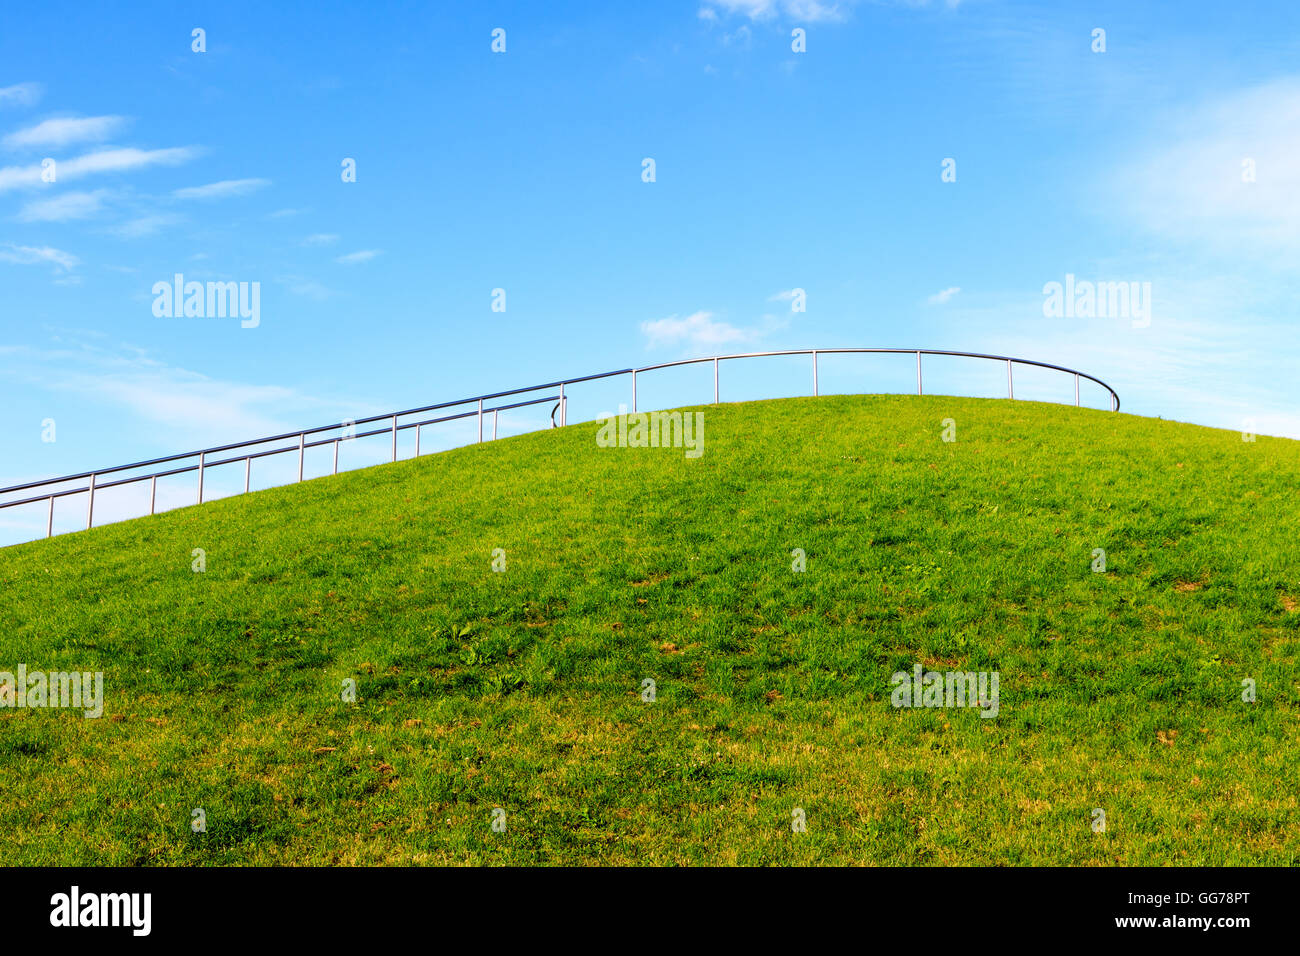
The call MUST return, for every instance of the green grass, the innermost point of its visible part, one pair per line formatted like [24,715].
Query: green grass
[521,690]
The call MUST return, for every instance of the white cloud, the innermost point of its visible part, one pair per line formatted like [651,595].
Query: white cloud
[807,11]
[104,161]
[698,330]
[813,11]
[199,409]
[754,9]
[1187,183]
[321,239]
[63,131]
[803,11]
[175,398]
[1219,349]
[74,205]
[362,255]
[939,298]
[145,226]
[34,255]
[22,94]
[120,160]
[221,190]
[300,285]
[742,36]
[13,177]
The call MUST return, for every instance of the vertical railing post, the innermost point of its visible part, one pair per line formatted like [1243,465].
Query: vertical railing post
[715,379]
[480,419]
[1011,390]
[153,493]
[302,448]
[918,372]
[634,391]
[394,438]
[202,455]
[417,441]
[90,504]
[814,373]
[1076,389]
[564,407]
[336,456]
[496,414]
[248,472]
[49,522]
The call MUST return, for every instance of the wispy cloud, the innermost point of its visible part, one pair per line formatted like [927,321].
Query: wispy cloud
[807,11]
[301,285]
[802,11]
[321,239]
[143,226]
[742,37]
[1187,365]
[38,255]
[104,161]
[15,177]
[1222,174]
[222,190]
[73,205]
[121,160]
[197,407]
[361,255]
[65,131]
[21,94]
[939,298]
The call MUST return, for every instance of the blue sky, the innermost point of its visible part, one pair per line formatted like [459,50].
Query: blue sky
[522,171]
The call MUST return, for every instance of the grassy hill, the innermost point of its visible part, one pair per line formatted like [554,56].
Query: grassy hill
[522,689]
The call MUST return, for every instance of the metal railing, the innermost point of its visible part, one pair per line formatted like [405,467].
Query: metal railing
[201,460]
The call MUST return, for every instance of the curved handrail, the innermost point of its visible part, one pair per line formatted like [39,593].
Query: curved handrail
[918,352]
[997,358]
[561,405]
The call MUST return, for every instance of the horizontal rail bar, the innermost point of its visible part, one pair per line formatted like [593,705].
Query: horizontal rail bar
[47,496]
[313,431]
[100,486]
